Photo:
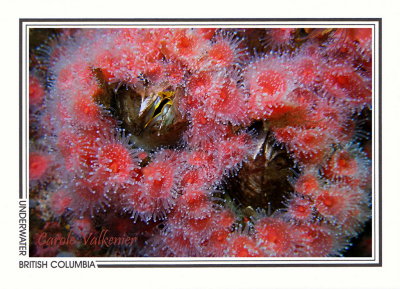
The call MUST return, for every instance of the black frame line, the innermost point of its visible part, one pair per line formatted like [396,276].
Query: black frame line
[380,138]
[195,19]
[20,111]
[203,21]
[166,265]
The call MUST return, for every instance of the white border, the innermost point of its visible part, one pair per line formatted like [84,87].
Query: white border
[383,277]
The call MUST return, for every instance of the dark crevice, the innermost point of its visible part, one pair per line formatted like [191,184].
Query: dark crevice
[147,131]
[262,182]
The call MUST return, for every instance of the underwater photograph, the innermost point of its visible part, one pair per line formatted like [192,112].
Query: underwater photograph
[200,141]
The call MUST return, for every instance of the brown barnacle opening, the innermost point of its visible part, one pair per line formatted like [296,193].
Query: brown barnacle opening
[146,111]
[263,180]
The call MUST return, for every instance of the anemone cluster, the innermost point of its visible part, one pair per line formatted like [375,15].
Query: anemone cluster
[200,142]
